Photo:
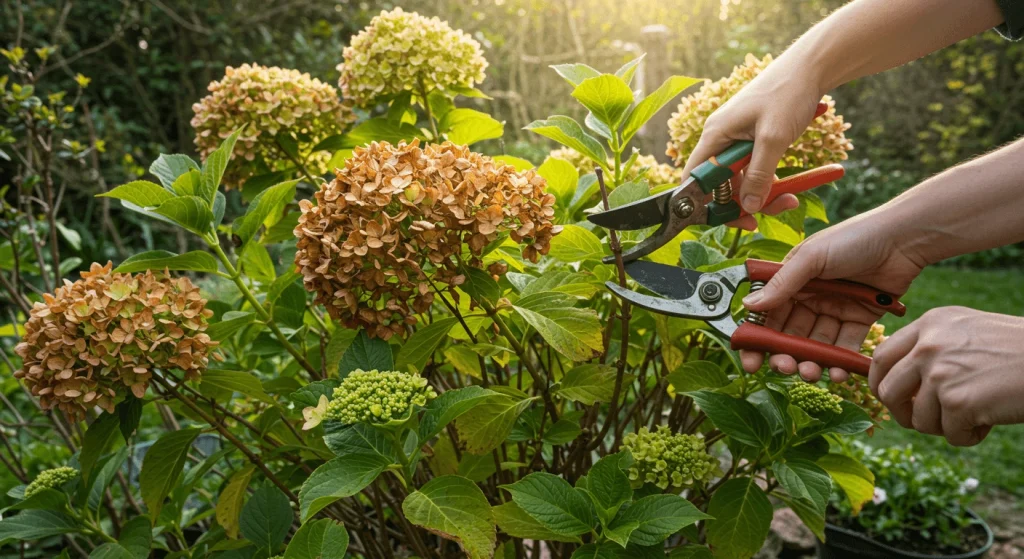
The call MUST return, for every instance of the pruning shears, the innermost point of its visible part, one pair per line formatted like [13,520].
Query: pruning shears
[708,296]
[685,205]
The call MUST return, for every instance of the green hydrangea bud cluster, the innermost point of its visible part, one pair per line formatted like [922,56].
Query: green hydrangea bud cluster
[51,479]
[813,399]
[665,459]
[404,51]
[377,396]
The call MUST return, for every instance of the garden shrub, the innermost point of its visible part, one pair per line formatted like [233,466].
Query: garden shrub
[459,382]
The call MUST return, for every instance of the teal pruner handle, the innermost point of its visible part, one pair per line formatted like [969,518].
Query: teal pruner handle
[722,167]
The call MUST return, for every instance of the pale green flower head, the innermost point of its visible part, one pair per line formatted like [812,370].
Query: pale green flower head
[404,51]
[665,459]
[814,400]
[51,479]
[377,397]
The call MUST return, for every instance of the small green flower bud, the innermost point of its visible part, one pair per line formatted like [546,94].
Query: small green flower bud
[814,400]
[665,459]
[377,396]
[51,479]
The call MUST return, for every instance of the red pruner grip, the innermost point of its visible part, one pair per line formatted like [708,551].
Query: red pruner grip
[753,337]
[795,184]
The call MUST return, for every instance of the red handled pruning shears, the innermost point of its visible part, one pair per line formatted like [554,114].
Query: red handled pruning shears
[708,296]
[684,205]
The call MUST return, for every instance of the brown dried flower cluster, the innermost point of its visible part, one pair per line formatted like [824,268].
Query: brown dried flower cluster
[398,217]
[107,332]
[822,143]
[264,101]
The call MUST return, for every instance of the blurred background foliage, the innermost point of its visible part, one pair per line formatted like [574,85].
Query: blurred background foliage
[150,60]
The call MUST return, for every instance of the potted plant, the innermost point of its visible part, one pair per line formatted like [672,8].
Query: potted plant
[919,510]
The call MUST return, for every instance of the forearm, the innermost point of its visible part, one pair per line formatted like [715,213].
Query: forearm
[974,206]
[869,36]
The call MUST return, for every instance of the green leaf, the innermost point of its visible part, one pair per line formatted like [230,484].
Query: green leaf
[691,551]
[695,254]
[190,212]
[137,537]
[856,481]
[231,322]
[43,499]
[144,194]
[450,405]
[568,132]
[627,70]
[341,339]
[765,249]
[596,551]
[697,375]
[809,488]
[519,163]
[773,228]
[561,177]
[229,503]
[609,487]
[376,130]
[453,507]
[104,474]
[159,260]
[73,238]
[514,521]
[551,501]
[319,539]
[742,517]
[267,518]
[168,167]
[621,532]
[256,263]
[628,193]
[575,73]
[735,417]
[214,166]
[606,96]
[484,427]
[266,204]
[363,453]
[577,284]
[36,524]
[590,383]
[814,207]
[575,244]
[575,333]
[162,466]
[658,517]
[467,127]
[416,351]
[480,285]
[111,551]
[236,381]
[366,354]
[98,437]
[562,431]
[653,103]
[187,184]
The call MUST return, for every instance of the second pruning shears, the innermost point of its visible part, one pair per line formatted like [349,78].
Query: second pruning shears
[685,205]
[708,296]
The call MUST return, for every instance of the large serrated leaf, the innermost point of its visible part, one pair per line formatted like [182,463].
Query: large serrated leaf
[143,194]
[653,103]
[607,97]
[261,207]
[190,212]
[454,508]
[555,504]
[742,517]
[569,133]
[194,261]
[162,466]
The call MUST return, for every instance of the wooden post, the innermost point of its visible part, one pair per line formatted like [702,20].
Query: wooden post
[654,135]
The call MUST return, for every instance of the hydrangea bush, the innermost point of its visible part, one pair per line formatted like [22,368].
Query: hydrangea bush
[413,355]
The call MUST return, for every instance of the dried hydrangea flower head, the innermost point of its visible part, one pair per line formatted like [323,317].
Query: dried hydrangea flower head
[813,399]
[822,143]
[404,51]
[397,218]
[657,173]
[377,397]
[665,459]
[51,479]
[265,101]
[93,340]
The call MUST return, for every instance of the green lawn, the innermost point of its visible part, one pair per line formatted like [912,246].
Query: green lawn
[998,461]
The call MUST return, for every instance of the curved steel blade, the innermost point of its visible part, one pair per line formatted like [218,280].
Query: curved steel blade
[647,212]
[668,281]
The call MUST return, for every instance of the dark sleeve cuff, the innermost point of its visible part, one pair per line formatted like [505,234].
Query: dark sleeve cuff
[1013,19]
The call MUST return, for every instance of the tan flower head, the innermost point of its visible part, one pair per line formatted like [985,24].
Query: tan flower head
[397,218]
[404,51]
[656,173]
[105,334]
[267,101]
[822,143]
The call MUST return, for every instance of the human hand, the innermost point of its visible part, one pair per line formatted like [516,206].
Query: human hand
[954,372]
[862,249]
[772,110]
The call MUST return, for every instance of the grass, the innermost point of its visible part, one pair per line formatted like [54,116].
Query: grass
[996,461]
